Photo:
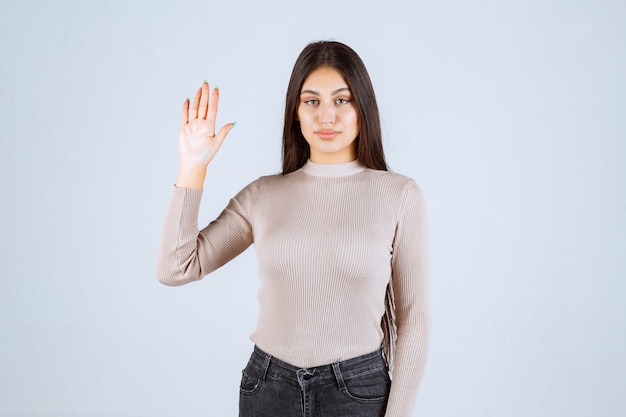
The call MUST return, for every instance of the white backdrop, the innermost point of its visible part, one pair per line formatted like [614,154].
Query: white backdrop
[511,115]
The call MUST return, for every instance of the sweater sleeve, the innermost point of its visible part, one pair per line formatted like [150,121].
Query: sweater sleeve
[187,254]
[411,281]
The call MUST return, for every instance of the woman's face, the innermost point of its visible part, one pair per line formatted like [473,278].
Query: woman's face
[328,117]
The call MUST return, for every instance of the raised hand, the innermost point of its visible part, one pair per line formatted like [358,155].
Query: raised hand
[198,142]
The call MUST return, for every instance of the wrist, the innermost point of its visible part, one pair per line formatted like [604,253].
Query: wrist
[191,176]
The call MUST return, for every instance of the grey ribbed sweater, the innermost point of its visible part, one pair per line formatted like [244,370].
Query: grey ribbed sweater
[328,238]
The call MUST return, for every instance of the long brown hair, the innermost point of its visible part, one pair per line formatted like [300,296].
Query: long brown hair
[368,143]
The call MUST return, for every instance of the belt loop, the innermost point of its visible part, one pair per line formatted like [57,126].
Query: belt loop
[266,365]
[338,376]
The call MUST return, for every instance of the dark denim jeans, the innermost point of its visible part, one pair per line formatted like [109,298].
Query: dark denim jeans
[357,387]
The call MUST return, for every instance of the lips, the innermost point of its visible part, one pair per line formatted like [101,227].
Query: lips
[326,134]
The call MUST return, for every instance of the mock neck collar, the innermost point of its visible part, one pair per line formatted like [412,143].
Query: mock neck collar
[332,170]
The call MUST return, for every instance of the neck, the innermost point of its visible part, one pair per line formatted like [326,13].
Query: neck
[332,170]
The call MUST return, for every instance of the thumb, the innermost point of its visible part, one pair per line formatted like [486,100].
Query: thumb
[224,131]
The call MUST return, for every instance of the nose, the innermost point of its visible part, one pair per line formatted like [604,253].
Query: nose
[327,113]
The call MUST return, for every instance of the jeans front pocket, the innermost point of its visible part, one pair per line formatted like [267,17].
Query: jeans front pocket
[250,380]
[371,387]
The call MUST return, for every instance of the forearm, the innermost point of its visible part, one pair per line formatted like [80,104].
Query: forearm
[409,365]
[178,261]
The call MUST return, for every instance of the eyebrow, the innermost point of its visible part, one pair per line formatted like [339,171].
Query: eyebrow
[337,91]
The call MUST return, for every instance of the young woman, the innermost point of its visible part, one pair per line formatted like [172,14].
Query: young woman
[341,242]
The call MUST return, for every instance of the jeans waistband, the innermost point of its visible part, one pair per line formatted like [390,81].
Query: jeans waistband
[360,365]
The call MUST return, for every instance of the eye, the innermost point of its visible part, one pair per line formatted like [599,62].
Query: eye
[311,102]
[342,101]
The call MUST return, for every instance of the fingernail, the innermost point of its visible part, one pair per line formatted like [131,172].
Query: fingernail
[206,82]
[234,124]
[216,88]
[187,99]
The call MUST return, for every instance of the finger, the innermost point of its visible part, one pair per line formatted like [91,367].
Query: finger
[204,101]
[221,135]
[224,131]
[212,112]
[184,117]
[193,114]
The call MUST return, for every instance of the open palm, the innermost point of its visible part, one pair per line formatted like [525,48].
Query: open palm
[197,140]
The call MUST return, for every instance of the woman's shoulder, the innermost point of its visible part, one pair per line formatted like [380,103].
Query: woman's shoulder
[266,182]
[278,179]
[392,179]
